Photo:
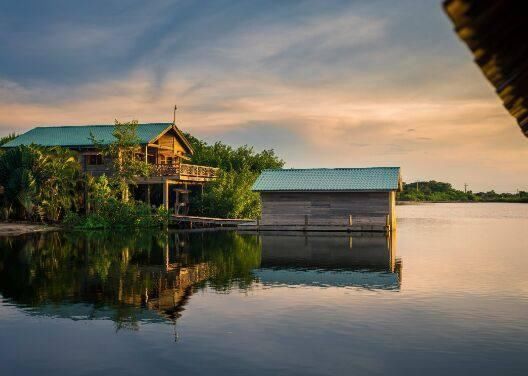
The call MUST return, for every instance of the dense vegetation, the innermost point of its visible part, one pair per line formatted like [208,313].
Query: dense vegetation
[47,184]
[444,192]
[230,196]
[39,183]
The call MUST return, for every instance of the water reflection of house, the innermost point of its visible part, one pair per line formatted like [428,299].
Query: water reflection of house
[173,288]
[173,277]
[148,279]
[363,261]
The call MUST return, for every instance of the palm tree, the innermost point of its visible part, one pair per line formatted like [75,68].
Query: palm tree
[59,175]
[45,180]
[18,179]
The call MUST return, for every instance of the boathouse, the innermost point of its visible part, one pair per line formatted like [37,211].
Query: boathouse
[161,145]
[352,199]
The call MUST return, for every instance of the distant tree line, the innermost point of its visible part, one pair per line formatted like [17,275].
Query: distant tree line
[444,192]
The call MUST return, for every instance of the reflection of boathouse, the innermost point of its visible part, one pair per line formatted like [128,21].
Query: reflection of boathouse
[330,260]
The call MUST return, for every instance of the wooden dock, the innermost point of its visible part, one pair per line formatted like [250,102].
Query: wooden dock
[348,224]
[188,221]
[315,228]
[245,224]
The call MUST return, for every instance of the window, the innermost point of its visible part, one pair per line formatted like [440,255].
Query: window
[94,160]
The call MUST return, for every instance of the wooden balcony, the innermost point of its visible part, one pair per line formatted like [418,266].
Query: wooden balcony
[185,172]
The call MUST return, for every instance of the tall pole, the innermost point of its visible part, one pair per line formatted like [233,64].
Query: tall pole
[174,115]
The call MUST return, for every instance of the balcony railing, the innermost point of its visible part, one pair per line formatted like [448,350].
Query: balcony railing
[165,170]
[185,170]
[198,171]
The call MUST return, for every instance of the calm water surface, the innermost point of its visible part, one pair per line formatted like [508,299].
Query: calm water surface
[447,295]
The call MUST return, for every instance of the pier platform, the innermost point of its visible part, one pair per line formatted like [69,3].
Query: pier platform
[188,221]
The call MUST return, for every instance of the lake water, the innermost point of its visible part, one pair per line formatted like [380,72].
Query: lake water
[447,295]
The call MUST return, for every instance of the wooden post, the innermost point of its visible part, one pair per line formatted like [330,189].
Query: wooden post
[167,258]
[148,195]
[392,210]
[387,222]
[166,194]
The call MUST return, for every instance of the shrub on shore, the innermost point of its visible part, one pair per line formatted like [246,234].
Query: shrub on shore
[113,213]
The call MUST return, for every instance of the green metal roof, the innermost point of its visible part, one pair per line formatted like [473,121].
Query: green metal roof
[80,135]
[329,179]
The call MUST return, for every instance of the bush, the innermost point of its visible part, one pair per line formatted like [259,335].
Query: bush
[230,196]
[71,219]
[113,213]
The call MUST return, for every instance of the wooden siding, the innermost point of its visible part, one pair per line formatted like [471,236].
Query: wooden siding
[325,208]
[169,140]
[94,170]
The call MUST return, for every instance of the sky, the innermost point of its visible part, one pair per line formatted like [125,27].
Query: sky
[324,83]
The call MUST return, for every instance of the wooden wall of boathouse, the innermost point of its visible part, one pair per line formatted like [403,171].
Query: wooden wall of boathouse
[328,208]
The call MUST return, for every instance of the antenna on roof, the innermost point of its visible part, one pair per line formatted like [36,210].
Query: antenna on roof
[174,115]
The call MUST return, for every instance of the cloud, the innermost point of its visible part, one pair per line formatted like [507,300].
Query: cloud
[325,84]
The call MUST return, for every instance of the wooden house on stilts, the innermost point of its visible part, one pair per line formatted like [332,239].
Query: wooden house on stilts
[161,145]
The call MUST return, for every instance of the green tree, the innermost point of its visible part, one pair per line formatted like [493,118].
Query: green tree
[122,154]
[17,176]
[230,196]
[39,180]
[60,178]
[228,158]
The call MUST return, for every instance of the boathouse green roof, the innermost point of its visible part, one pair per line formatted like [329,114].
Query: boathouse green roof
[329,180]
[72,136]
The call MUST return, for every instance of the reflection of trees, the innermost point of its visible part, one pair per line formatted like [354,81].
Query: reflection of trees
[233,255]
[127,272]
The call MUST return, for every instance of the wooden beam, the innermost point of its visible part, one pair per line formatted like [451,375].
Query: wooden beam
[148,195]
[166,194]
